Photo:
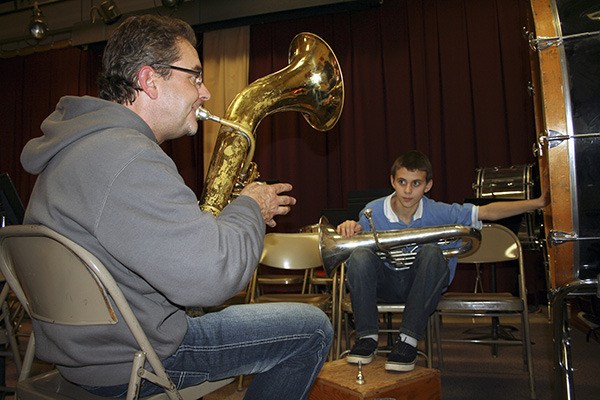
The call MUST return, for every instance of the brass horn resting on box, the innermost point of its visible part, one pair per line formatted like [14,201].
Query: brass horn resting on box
[312,84]
[397,246]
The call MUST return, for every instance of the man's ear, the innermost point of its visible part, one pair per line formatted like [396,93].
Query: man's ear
[147,81]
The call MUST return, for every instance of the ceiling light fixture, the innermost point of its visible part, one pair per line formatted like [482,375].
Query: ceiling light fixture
[171,3]
[38,29]
[108,12]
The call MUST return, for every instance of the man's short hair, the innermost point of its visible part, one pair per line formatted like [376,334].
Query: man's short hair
[413,161]
[139,41]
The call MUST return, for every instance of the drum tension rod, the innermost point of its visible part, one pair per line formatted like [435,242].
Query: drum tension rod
[542,43]
[558,237]
[553,136]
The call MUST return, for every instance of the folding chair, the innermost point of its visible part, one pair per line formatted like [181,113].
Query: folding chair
[43,268]
[294,251]
[8,336]
[498,244]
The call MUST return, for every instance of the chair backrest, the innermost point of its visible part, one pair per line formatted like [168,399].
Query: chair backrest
[291,250]
[46,271]
[60,282]
[498,243]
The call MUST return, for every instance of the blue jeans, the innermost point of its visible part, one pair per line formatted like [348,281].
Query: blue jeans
[371,281]
[283,344]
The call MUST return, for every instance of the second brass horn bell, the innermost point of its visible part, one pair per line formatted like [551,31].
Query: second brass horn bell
[398,246]
[312,84]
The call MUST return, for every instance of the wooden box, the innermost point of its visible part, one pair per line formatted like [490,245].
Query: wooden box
[337,381]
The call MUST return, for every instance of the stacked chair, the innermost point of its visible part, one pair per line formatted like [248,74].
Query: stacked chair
[294,252]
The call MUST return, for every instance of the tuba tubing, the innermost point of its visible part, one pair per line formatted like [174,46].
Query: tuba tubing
[336,249]
[312,84]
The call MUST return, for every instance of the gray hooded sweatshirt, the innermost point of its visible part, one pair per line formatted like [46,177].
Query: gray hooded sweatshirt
[104,182]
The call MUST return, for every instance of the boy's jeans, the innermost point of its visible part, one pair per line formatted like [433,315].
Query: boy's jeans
[371,281]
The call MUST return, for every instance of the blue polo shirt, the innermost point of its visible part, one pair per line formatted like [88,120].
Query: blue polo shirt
[429,213]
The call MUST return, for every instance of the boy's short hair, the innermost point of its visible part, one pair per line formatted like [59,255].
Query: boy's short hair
[413,161]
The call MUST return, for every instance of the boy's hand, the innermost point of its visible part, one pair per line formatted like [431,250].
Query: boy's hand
[348,228]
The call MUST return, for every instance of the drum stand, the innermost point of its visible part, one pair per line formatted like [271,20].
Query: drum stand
[563,367]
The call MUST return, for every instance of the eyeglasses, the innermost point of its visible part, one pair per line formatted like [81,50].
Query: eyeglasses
[197,74]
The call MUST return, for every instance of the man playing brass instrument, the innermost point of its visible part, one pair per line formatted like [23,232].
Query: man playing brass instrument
[371,279]
[105,183]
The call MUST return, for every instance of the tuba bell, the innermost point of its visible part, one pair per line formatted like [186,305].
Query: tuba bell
[312,84]
[399,247]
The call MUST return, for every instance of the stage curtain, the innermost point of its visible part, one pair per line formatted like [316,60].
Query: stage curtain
[447,77]
[31,87]
[226,60]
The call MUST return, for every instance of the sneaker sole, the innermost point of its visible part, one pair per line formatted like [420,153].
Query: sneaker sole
[400,367]
[362,359]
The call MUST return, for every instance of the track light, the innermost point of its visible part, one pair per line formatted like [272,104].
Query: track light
[37,27]
[108,12]
[171,3]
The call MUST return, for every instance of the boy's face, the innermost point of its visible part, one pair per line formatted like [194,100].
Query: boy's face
[410,187]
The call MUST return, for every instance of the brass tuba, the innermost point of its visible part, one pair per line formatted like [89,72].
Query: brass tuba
[397,246]
[312,84]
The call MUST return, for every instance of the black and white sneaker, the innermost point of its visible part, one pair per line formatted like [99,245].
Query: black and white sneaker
[402,357]
[364,350]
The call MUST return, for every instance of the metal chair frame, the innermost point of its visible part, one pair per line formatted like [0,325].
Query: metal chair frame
[498,244]
[295,251]
[8,335]
[43,268]
[292,251]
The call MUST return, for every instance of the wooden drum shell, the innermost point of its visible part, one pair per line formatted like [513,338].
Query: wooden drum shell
[557,163]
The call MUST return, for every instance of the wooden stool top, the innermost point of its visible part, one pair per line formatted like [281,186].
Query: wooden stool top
[337,381]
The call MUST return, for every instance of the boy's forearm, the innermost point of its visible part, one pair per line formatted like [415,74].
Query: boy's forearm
[505,209]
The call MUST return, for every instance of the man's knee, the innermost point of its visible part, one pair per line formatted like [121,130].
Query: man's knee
[313,319]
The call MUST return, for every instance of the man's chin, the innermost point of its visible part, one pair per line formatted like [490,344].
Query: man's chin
[192,128]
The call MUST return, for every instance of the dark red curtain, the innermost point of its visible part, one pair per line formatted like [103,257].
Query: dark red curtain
[447,77]
[31,87]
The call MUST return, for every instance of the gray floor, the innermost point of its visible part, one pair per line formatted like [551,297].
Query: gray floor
[471,372]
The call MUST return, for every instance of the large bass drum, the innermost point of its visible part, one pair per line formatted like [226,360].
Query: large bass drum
[566,71]
[565,42]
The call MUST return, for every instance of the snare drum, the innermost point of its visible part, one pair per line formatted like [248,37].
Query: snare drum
[517,182]
[514,182]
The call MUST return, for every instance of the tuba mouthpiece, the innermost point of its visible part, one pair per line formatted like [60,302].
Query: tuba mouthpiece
[202,114]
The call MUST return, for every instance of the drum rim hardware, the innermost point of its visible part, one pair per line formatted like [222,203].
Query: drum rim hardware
[542,43]
[552,137]
[558,237]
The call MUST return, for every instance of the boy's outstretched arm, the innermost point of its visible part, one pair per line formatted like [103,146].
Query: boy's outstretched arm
[504,209]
